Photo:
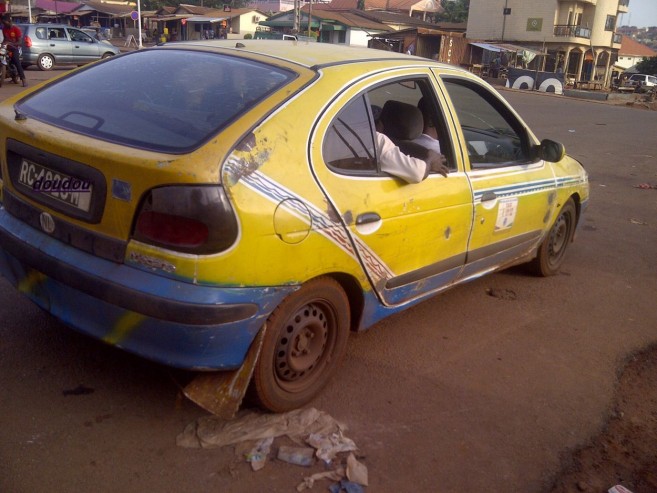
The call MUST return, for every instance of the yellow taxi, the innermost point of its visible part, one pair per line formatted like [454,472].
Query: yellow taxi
[180,200]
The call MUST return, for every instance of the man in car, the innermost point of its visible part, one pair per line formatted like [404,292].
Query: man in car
[429,137]
[395,162]
[13,37]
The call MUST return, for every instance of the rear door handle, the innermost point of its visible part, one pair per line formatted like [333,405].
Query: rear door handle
[367,217]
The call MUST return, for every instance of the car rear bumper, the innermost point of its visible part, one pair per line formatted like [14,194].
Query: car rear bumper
[169,321]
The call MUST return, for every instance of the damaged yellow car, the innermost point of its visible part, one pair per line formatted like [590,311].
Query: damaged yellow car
[183,201]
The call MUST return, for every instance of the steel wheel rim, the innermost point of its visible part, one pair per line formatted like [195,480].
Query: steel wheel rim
[304,345]
[559,238]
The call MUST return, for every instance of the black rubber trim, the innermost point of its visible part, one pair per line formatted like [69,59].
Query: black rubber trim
[127,298]
[94,243]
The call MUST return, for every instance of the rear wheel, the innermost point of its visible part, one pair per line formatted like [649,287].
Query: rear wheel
[45,61]
[552,251]
[305,340]
[107,55]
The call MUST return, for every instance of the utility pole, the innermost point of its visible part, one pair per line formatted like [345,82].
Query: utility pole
[295,26]
[505,12]
[310,15]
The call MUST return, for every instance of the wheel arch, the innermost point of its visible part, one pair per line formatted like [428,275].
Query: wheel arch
[354,292]
[578,208]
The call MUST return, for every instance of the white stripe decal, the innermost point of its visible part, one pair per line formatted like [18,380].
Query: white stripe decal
[320,222]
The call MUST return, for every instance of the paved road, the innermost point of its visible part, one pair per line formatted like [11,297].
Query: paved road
[464,393]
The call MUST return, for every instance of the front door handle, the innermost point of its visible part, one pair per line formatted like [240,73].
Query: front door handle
[488,196]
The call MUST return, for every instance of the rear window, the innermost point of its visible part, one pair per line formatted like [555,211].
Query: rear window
[163,100]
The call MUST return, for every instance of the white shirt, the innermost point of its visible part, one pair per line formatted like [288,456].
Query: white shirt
[395,162]
[428,142]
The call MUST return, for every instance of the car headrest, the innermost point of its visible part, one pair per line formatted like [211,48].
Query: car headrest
[401,121]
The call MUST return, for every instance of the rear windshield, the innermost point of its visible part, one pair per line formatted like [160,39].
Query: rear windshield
[163,100]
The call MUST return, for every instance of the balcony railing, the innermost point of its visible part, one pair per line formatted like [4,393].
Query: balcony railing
[569,31]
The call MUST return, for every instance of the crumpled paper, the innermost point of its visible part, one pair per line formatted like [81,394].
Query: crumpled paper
[211,431]
[258,454]
[329,445]
[309,482]
[356,471]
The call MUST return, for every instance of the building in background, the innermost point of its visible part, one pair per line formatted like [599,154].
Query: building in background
[632,52]
[576,37]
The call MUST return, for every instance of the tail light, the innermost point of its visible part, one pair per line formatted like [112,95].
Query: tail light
[188,219]
[27,41]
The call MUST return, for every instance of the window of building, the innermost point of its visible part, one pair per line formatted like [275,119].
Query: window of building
[610,24]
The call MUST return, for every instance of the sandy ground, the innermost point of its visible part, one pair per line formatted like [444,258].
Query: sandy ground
[624,453]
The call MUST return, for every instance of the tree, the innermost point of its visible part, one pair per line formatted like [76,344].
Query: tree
[455,11]
[647,66]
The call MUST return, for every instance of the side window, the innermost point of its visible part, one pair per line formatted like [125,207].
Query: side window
[56,33]
[411,117]
[41,33]
[405,111]
[79,36]
[494,137]
[349,143]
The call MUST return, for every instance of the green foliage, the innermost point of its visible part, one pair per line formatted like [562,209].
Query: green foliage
[455,11]
[647,66]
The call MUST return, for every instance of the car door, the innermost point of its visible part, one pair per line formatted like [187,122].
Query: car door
[411,239]
[514,192]
[58,44]
[83,47]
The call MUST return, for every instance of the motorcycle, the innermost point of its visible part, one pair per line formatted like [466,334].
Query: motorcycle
[7,69]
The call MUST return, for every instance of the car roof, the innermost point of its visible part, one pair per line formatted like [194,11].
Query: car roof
[44,24]
[308,54]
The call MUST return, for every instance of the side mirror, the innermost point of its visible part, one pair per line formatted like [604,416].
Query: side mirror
[551,151]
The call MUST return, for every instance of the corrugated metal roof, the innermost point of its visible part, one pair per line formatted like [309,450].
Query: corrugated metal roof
[630,47]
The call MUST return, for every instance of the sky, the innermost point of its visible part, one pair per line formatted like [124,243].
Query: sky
[643,13]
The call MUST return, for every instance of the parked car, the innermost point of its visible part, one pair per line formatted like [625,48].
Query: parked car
[178,214]
[640,82]
[47,45]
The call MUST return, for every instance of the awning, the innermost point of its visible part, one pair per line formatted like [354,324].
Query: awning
[432,6]
[200,18]
[497,47]
[287,23]
[488,47]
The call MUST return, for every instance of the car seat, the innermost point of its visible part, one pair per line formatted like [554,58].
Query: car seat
[403,123]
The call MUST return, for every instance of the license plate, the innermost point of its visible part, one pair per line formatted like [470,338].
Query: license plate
[67,189]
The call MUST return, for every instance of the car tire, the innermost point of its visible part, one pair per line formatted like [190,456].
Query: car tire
[552,250]
[45,61]
[106,55]
[305,340]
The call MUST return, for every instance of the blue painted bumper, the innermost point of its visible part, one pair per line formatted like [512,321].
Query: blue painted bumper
[172,322]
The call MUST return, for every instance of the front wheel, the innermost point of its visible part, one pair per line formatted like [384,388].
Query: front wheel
[552,250]
[45,61]
[107,55]
[305,340]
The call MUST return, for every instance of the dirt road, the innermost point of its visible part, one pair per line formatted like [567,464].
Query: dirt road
[488,387]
